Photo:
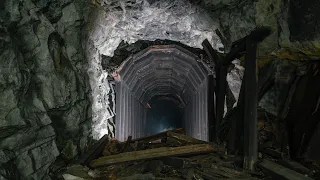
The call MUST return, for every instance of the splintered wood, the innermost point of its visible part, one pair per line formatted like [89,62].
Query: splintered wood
[167,155]
[174,155]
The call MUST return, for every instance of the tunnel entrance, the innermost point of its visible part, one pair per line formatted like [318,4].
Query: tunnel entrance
[161,71]
[164,113]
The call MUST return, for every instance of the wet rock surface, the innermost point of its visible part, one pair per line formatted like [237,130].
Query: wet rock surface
[41,72]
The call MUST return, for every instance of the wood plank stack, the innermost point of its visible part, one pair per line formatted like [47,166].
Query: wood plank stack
[172,155]
[167,155]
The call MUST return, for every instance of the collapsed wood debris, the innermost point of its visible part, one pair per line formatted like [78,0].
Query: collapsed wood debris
[168,155]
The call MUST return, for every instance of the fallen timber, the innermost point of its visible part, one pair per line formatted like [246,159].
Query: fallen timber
[159,135]
[151,154]
[176,156]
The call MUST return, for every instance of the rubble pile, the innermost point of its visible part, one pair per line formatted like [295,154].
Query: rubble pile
[167,155]
[172,155]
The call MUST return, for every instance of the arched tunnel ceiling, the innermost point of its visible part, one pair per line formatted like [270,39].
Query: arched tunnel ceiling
[162,70]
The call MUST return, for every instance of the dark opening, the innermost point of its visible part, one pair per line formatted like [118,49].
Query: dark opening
[163,114]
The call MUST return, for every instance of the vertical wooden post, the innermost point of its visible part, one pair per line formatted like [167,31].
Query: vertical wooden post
[250,106]
[211,114]
[213,87]
[221,91]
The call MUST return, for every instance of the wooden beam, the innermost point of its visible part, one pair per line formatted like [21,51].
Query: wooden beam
[211,107]
[159,135]
[94,152]
[277,171]
[185,138]
[239,46]
[293,165]
[152,153]
[250,106]
[213,55]
[221,91]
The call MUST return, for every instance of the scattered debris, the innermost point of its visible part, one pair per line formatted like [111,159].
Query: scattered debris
[279,172]
[174,156]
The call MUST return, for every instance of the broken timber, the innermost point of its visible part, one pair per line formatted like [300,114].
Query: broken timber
[185,138]
[152,153]
[247,105]
[95,151]
[279,172]
[159,135]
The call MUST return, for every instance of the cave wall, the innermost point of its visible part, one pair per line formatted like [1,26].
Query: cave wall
[44,104]
[294,25]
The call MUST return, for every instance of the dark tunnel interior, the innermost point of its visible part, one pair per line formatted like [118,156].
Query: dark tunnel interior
[164,113]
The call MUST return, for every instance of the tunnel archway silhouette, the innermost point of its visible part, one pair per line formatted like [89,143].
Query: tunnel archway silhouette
[162,70]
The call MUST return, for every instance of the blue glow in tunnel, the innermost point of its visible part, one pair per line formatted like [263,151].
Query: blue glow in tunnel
[162,116]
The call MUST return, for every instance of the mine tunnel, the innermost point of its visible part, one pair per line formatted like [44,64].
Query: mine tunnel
[167,70]
[159,89]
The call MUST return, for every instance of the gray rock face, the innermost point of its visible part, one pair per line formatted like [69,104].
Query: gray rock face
[44,87]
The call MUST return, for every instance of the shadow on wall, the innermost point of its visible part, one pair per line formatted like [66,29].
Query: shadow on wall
[163,115]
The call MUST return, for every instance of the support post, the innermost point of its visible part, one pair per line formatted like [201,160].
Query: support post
[250,106]
[221,91]
[211,114]
[213,88]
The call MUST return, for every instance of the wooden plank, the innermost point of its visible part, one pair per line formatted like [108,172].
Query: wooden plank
[185,138]
[152,153]
[94,152]
[295,166]
[277,171]
[159,135]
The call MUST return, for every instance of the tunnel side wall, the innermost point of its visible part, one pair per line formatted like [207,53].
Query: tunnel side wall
[196,114]
[130,114]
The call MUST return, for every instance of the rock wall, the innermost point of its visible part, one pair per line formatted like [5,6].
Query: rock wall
[294,25]
[45,110]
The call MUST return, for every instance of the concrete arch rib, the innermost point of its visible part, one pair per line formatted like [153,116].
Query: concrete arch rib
[160,71]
